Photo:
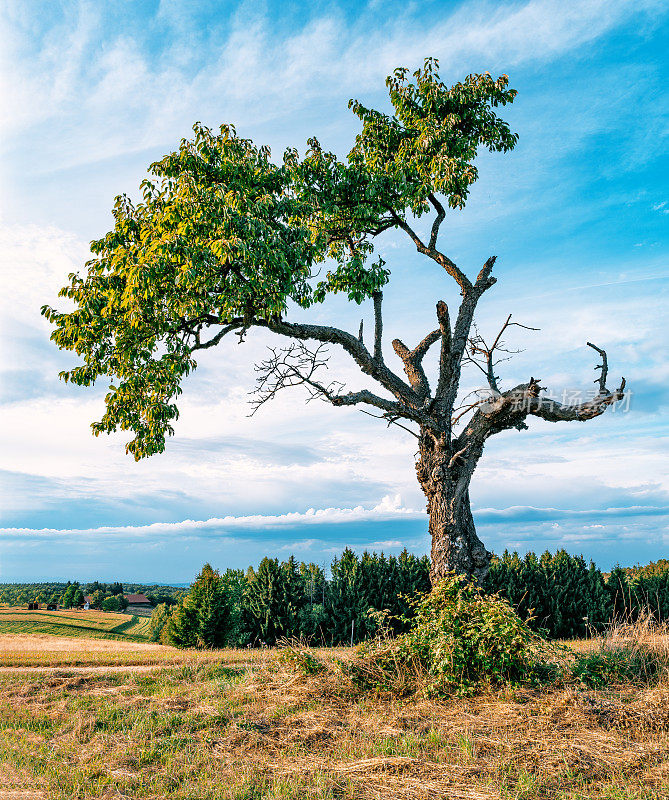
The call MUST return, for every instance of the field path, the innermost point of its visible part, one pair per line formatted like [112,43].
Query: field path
[92,668]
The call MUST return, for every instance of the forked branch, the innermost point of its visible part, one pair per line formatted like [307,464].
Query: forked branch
[484,356]
[510,409]
[604,367]
[412,360]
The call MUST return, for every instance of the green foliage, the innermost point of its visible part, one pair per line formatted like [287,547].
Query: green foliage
[159,618]
[202,618]
[224,238]
[372,583]
[72,596]
[111,603]
[16,594]
[429,144]
[218,236]
[619,594]
[97,598]
[274,594]
[558,593]
[611,665]
[302,661]
[460,640]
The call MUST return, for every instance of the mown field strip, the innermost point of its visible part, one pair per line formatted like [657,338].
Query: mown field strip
[91,624]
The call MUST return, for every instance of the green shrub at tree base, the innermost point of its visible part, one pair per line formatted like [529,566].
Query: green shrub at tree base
[460,640]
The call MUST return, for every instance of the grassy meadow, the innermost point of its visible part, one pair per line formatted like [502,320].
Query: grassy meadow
[74,622]
[248,730]
[103,718]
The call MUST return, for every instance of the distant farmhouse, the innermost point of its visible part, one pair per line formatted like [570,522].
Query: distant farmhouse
[138,604]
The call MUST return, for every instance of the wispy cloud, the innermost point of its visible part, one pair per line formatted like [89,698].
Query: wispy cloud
[131,94]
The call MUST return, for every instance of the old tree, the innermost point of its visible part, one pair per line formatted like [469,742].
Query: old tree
[226,241]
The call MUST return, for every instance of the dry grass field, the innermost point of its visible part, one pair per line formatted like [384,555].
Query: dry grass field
[235,725]
[18,651]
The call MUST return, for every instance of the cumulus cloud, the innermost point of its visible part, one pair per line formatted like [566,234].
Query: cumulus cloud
[387,508]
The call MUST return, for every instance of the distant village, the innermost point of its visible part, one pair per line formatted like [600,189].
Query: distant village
[138,604]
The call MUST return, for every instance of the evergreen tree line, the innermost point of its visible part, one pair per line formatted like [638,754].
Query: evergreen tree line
[569,598]
[561,595]
[294,600]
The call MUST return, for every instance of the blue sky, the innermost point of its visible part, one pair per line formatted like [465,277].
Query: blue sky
[577,215]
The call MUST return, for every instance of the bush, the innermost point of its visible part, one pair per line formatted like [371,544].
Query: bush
[299,659]
[635,652]
[460,640]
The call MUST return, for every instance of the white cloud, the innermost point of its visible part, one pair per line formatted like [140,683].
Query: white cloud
[388,508]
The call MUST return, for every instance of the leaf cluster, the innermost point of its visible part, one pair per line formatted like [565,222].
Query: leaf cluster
[224,239]
[429,144]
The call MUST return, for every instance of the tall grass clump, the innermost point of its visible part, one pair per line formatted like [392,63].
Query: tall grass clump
[460,641]
[627,652]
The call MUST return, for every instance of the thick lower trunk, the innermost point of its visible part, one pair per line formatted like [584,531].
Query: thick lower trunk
[455,545]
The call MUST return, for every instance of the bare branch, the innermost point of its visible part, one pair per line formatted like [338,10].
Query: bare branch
[296,365]
[291,366]
[390,422]
[604,367]
[362,357]
[468,408]
[377,297]
[477,346]
[437,221]
[425,344]
[457,455]
[215,339]
[552,411]
[412,362]
[360,339]
[444,358]
[462,280]
[510,409]
[463,325]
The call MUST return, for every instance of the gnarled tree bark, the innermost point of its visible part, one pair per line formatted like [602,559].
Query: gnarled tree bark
[445,478]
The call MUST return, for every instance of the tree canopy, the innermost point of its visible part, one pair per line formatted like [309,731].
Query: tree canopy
[224,238]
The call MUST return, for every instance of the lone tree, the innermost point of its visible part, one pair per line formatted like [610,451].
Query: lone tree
[227,241]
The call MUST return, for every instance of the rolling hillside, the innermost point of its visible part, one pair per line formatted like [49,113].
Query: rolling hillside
[79,624]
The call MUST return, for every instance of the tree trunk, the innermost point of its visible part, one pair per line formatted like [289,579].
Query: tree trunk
[445,480]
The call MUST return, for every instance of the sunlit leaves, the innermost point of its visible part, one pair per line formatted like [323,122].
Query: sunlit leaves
[430,142]
[225,238]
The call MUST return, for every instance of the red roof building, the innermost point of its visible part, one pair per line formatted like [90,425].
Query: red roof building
[137,600]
